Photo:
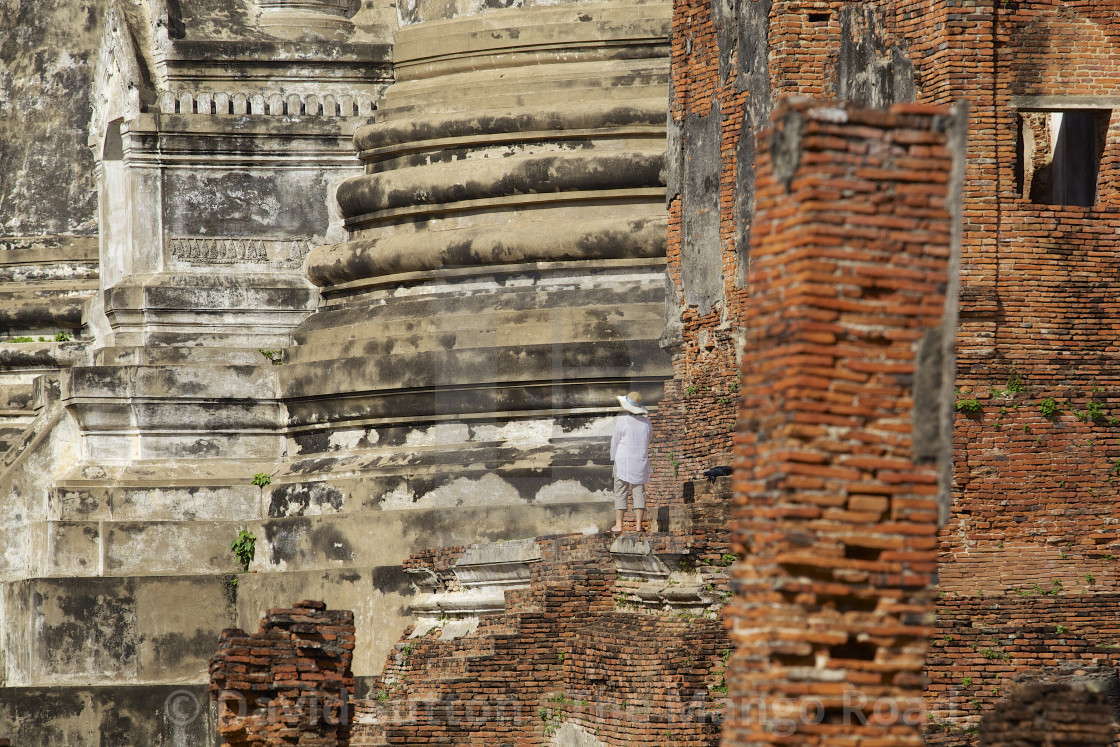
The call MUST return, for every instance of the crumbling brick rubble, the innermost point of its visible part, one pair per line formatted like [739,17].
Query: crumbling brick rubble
[289,683]
[582,647]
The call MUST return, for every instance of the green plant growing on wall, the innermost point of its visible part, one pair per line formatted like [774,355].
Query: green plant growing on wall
[275,357]
[261,479]
[968,405]
[1090,578]
[966,682]
[1049,408]
[62,337]
[1015,383]
[674,463]
[1061,630]
[1094,411]
[245,548]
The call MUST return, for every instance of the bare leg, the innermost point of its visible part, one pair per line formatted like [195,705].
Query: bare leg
[618,514]
[641,513]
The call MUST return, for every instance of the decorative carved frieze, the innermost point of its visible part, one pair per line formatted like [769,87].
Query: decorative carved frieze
[263,103]
[218,250]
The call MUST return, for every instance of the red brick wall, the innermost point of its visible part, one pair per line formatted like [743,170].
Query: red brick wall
[984,644]
[1069,714]
[290,683]
[1035,496]
[695,418]
[1032,527]
[795,50]
[836,519]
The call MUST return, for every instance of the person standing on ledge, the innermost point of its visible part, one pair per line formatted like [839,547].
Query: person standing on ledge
[630,454]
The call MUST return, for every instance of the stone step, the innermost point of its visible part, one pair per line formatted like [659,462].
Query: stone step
[121,548]
[488,329]
[11,428]
[445,466]
[180,714]
[491,89]
[137,412]
[203,381]
[159,630]
[51,288]
[154,627]
[494,296]
[427,372]
[98,715]
[75,257]
[200,500]
[44,307]
[17,392]
[178,355]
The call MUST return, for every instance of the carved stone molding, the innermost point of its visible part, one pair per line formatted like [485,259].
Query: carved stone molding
[284,253]
[241,103]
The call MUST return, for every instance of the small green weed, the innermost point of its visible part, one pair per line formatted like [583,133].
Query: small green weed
[245,548]
[262,479]
[969,405]
[1049,408]
[1015,383]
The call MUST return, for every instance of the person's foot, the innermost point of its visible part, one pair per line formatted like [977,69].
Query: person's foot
[616,529]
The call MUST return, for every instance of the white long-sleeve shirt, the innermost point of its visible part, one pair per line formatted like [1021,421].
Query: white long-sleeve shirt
[630,448]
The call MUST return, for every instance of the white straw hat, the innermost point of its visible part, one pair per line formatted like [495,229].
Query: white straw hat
[632,402]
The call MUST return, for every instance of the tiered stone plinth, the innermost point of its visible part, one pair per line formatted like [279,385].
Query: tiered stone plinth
[503,280]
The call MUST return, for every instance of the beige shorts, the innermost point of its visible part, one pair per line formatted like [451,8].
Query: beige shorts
[621,488]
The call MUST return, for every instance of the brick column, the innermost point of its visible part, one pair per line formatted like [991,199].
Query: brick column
[842,425]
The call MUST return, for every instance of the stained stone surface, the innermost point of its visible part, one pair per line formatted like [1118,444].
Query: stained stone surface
[410,306]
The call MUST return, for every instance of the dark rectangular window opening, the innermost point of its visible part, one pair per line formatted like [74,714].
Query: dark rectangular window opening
[819,17]
[1058,155]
